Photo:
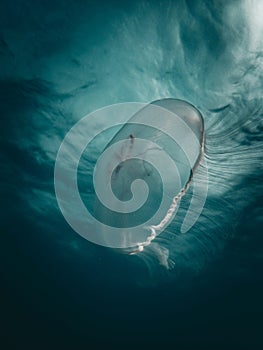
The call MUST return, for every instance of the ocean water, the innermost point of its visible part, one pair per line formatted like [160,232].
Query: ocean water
[60,61]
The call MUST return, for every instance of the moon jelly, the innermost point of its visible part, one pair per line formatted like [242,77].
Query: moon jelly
[145,160]
[145,170]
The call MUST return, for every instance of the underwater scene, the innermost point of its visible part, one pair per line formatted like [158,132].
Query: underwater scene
[131,174]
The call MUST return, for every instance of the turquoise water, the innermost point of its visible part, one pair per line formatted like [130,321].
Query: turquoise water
[63,60]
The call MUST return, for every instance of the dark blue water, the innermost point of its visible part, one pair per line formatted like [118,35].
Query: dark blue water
[59,61]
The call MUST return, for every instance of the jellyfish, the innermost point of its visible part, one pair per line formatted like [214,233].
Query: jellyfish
[146,159]
[145,170]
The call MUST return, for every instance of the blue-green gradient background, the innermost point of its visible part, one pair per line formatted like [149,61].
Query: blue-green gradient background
[60,60]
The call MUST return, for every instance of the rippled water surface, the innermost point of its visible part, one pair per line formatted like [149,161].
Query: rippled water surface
[62,60]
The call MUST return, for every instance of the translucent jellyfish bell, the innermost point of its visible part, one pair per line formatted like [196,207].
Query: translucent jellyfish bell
[144,171]
[121,171]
